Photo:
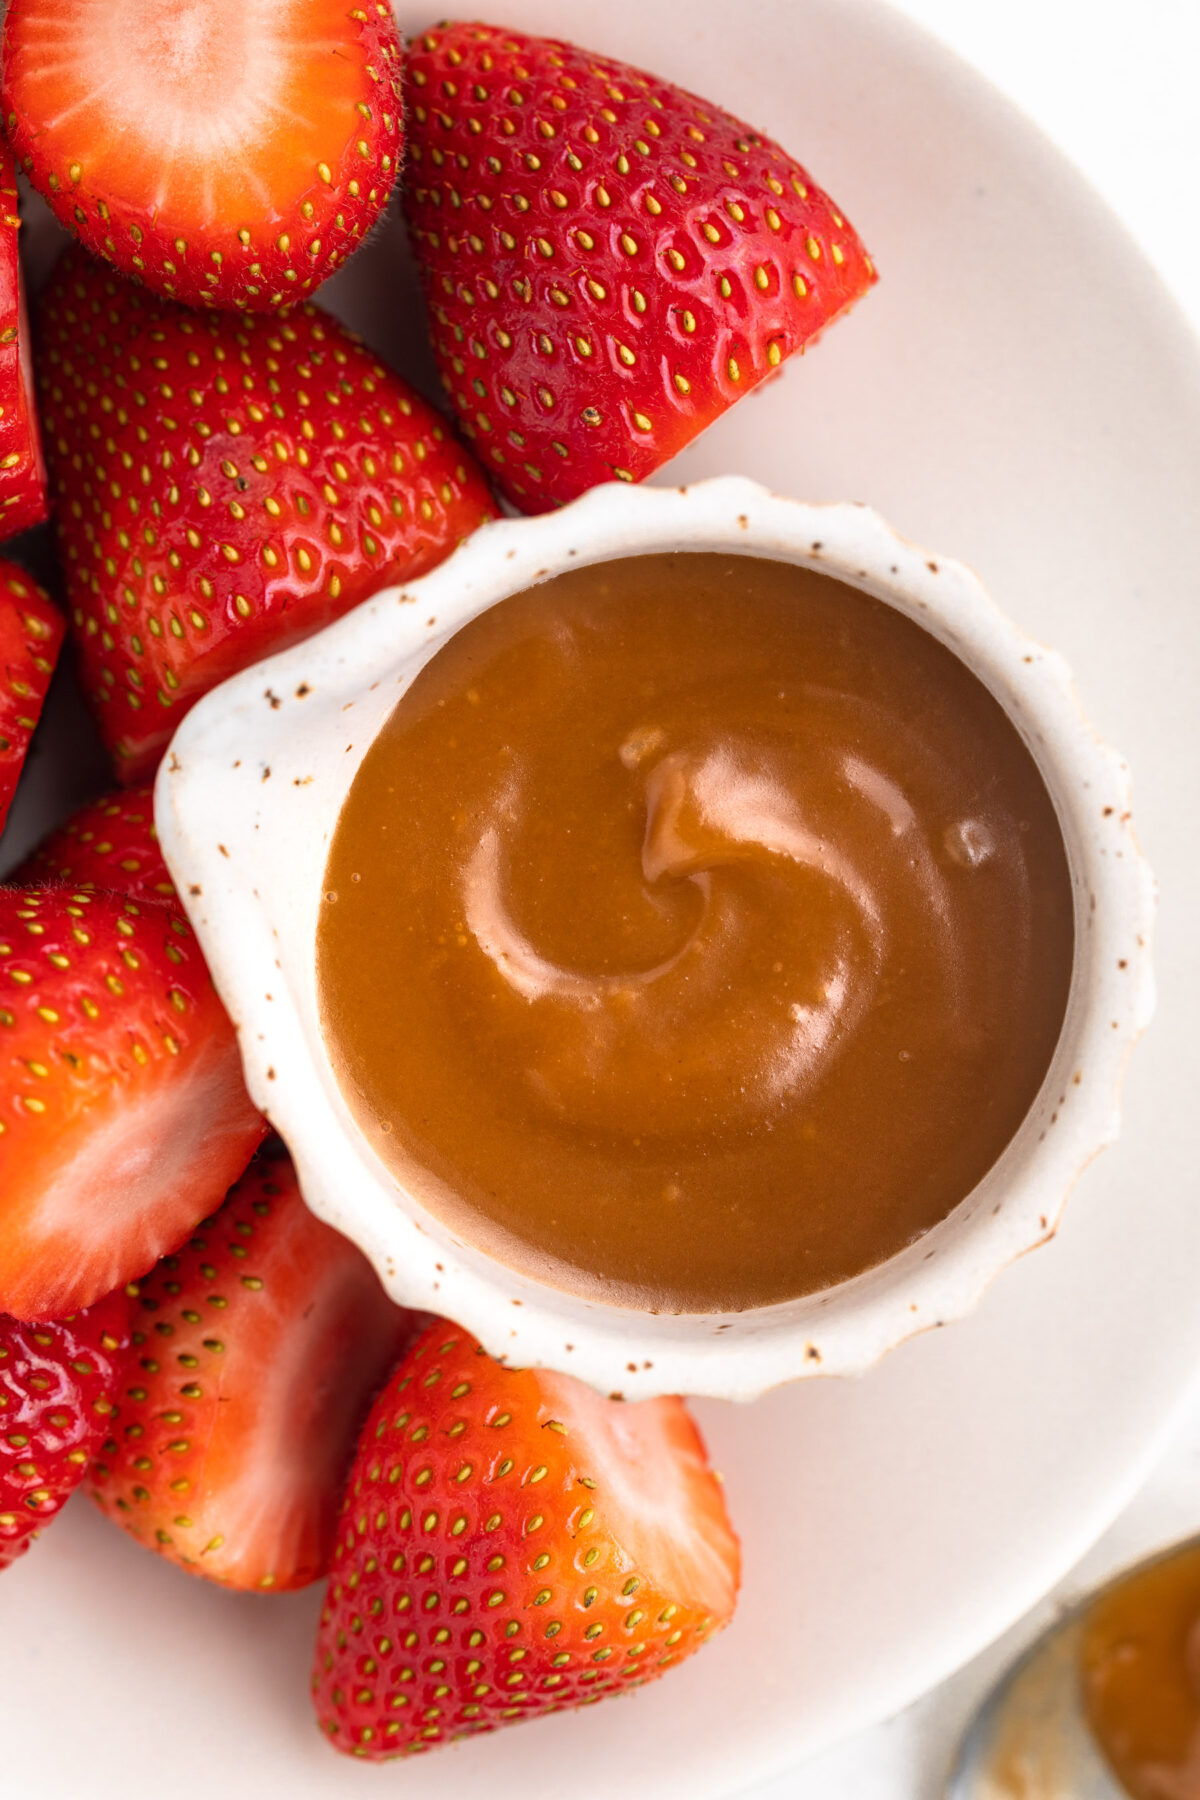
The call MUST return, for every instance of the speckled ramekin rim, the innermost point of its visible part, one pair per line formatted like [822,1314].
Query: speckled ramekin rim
[246,803]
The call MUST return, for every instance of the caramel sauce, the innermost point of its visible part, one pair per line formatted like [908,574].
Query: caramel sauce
[1140,1662]
[697,932]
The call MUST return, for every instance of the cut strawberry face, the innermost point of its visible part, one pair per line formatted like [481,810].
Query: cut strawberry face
[124,1113]
[280,474]
[110,844]
[225,152]
[23,494]
[31,635]
[511,1544]
[58,1387]
[609,261]
[257,1351]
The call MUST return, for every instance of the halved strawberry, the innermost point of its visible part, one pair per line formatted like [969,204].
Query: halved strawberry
[226,153]
[257,1351]
[226,486]
[23,495]
[610,262]
[58,1386]
[109,843]
[31,635]
[123,1114]
[511,1544]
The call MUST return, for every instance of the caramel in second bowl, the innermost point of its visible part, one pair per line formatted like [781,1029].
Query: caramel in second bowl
[697,932]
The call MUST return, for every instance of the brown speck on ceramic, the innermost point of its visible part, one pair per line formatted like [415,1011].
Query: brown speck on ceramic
[222,849]
[812,1353]
[272,700]
[195,891]
[270,1074]
[932,567]
[266,774]
[303,690]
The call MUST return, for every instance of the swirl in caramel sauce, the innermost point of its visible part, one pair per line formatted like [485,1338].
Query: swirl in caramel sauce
[698,932]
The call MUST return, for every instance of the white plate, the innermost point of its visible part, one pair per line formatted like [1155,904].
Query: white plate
[1020,393]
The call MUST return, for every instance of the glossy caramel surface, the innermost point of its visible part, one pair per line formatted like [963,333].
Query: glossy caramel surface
[697,932]
[1141,1677]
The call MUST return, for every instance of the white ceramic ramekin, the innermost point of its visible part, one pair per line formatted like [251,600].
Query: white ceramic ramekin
[247,801]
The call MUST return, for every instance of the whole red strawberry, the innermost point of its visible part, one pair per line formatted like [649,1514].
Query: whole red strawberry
[109,843]
[609,262]
[58,1386]
[225,486]
[511,1544]
[225,153]
[123,1114]
[31,635]
[23,498]
[257,1351]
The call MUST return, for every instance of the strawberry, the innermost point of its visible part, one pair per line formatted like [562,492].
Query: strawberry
[223,153]
[609,261]
[31,635]
[111,844]
[226,486]
[58,1385]
[510,1544]
[23,496]
[257,1351]
[123,1115]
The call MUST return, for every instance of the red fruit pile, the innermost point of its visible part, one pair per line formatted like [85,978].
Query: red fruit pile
[609,263]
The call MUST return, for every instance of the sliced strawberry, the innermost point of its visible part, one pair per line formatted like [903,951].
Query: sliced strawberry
[610,262]
[258,1350]
[110,843]
[225,153]
[123,1114]
[277,474]
[23,496]
[511,1544]
[31,635]
[58,1386]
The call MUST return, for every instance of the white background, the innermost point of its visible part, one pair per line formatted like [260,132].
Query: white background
[1117,87]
